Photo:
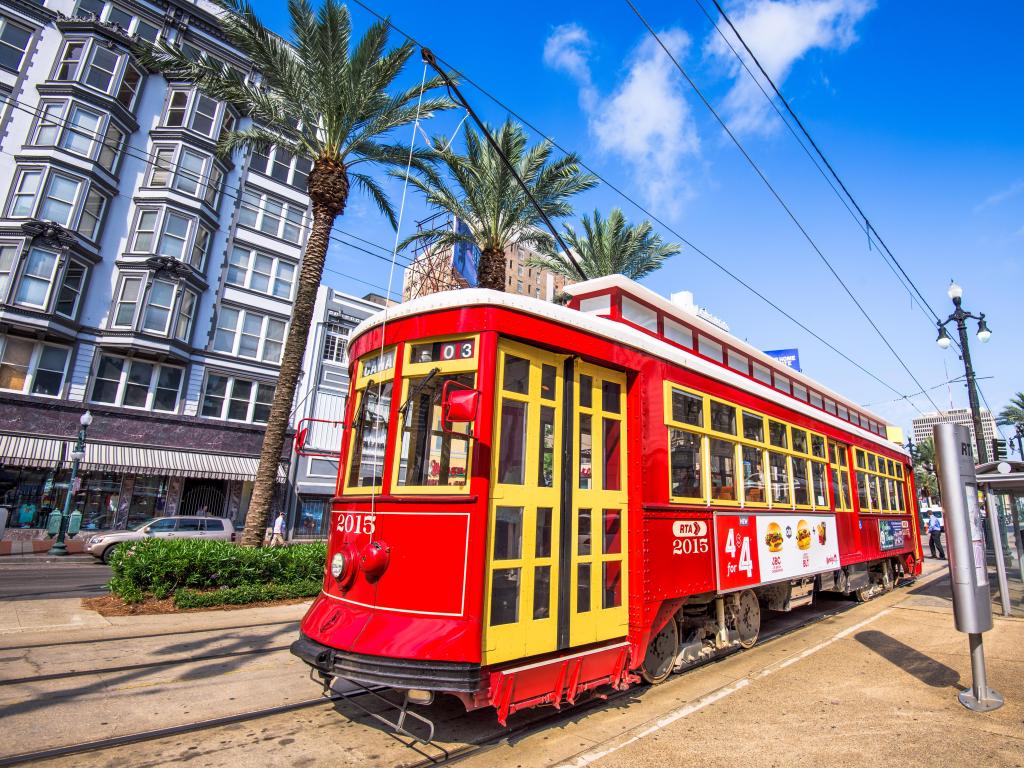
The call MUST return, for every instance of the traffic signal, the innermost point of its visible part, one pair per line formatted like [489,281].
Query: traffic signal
[998,449]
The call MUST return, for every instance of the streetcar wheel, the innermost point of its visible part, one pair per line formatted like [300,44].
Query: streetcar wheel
[748,618]
[661,654]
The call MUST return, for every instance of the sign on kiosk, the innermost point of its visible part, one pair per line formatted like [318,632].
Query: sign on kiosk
[766,547]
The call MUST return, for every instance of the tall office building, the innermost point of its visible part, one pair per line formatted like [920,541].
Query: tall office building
[923,424]
[142,277]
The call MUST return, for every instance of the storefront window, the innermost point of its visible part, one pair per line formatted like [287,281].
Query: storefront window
[313,517]
[98,500]
[148,499]
[28,495]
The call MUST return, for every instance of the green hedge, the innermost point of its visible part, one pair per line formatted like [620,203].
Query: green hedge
[250,593]
[161,567]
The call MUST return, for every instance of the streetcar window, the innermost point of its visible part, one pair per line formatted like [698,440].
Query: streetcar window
[504,596]
[684,449]
[782,383]
[830,406]
[753,475]
[800,493]
[582,587]
[873,491]
[612,478]
[516,376]
[778,465]
[709,348]
[872,465]
[818,481]
[844,485]
[586,451]
[371,424]
[678,333]
[612,543]
[548,378]
[611,394]
[799,391]
[687,408]
[583,532]
[723,418]
[892,466]
[430,455]
[861,464]
[639,314]
[546,465]
[612,593]
[542,544]
[818,446]
[753,427]
[596,305]
[762,373]
[777,434]
[508,533]
[799,440]
[723,470]
[816,400]
[512,445]
[380,362]
[586,391]
[862,491]
[542,592]
[843,413]
[899,470]
[738,362]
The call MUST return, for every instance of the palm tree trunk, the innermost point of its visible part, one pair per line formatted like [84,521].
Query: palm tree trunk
[492,269]
[291,364]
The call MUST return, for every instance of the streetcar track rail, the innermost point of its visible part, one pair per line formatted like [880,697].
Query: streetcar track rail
[145,665]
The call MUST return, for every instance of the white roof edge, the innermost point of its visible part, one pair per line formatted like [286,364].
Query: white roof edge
[664,305]
[627,335]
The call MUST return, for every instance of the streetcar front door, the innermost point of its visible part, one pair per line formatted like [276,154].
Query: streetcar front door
[556,561]
[524,536]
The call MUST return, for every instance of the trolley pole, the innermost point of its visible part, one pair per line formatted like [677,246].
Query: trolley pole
[968,566]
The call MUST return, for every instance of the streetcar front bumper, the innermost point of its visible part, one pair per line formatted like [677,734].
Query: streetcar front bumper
[450,676]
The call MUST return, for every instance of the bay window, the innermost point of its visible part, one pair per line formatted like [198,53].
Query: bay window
[8,263]
[271,215]
[154,304]
[157,316]
[133,25]
[127,301]
[167,232]
[186,313]
[37,278]
[283,166]
[261,272]
[84,132]
[70,290]
[249,334]
[67,200]
[192,173]
[14,40]
[194,110]
[108,71]
[32,367]
[137,384]
[237,399]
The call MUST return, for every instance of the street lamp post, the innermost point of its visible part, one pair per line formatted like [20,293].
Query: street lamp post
[1019,434]
[59,547]
[961,317]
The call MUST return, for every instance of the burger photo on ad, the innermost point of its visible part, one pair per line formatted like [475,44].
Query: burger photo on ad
[773,538]
[803,535]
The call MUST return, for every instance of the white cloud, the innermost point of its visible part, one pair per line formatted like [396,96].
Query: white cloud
[1001,196]
[780,33]
[645,120]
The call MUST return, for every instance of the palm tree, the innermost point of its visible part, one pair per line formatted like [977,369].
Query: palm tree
[609,246]
[1012,414]
[924,469]
[482,194]
[326,98]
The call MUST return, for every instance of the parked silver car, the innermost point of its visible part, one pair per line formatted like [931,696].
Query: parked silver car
[102,545]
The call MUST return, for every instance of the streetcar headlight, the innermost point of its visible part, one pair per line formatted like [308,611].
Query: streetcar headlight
[337,565]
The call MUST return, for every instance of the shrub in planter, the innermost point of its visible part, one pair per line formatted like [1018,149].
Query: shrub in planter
[160,567]
[249,593]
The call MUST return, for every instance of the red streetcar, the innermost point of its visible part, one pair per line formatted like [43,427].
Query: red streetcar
[536,501]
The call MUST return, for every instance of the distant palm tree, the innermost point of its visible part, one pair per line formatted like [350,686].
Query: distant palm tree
[1012,414]
[609,246]
[482,194]
[924,469]
[324,98]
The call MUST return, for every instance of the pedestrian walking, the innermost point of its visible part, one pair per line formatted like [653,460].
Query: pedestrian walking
[277,539]
[935,535]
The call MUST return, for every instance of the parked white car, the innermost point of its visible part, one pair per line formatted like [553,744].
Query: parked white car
[101,546]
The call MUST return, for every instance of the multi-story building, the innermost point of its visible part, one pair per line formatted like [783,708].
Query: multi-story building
[435,270]
[321,399]
[923,424]
[142,277]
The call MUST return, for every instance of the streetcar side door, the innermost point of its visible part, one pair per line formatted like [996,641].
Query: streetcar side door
[521,611]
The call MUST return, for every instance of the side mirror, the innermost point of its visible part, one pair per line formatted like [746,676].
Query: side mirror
[459,403]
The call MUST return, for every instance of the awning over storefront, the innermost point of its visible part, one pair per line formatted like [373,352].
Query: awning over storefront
[48,452]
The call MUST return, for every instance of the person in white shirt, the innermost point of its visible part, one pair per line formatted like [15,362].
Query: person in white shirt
[277,540]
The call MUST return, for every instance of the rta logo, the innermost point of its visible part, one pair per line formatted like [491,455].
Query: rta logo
[965,449]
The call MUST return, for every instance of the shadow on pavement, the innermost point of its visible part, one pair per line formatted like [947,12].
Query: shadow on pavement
[910,660]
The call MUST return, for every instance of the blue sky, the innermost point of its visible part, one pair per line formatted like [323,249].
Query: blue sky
[917,105]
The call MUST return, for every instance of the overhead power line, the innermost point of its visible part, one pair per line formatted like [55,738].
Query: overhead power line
[668,228]
[780,200]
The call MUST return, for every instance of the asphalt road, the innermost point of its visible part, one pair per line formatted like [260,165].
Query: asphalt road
[52,578]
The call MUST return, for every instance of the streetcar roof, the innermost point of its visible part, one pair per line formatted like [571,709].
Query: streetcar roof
[642,341]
